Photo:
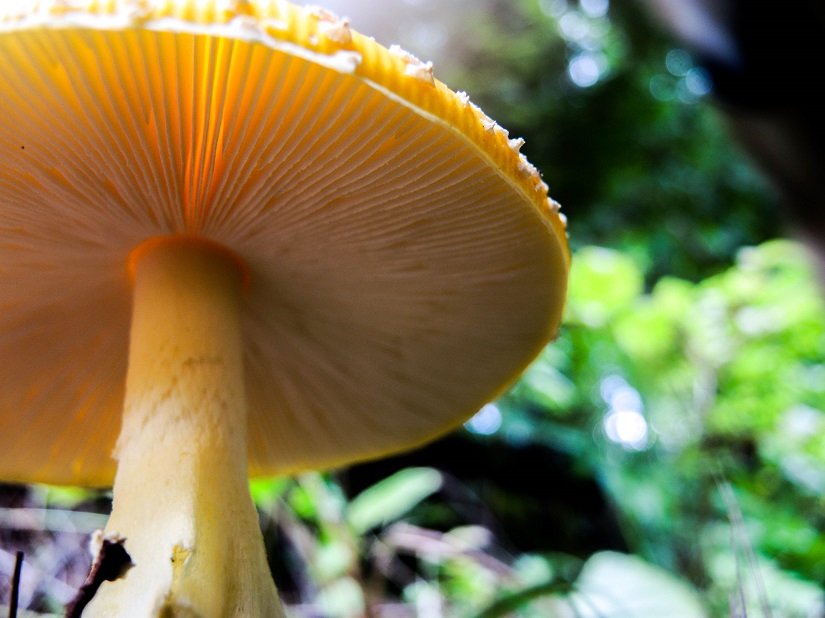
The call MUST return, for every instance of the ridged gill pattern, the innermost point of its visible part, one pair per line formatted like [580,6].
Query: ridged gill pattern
[400,278]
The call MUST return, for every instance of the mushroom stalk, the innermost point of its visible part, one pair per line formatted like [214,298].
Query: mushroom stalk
[181,496]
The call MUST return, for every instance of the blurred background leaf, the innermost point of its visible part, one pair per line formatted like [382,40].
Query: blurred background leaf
[391,498]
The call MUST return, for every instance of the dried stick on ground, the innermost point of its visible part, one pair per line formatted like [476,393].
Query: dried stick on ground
[15,584]
[111,563]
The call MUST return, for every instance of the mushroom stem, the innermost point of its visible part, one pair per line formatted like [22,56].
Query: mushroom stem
[181,496]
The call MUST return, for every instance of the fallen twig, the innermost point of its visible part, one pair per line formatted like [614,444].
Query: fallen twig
[15,584]
[111,563]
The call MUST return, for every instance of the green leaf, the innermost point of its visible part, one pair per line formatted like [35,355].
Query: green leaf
[646,333]
[548,386]
[342,598]
[613,584]
[512,602]
[265,492]
[392,498]
[64,497]
[602,282]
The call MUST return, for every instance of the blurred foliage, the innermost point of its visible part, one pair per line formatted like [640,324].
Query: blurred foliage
[636,160]
[679,416]
[690,393]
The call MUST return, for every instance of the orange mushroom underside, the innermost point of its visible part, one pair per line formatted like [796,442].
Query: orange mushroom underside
[282,245]
[404,261]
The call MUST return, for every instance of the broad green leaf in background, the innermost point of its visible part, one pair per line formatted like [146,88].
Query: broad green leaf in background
[391,498]
[620,586]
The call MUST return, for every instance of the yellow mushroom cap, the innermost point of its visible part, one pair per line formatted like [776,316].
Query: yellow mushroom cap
[405,263]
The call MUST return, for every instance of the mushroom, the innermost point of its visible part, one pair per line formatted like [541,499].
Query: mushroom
[283,246]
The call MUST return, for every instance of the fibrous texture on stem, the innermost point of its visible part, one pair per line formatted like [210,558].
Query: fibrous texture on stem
[180,496]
